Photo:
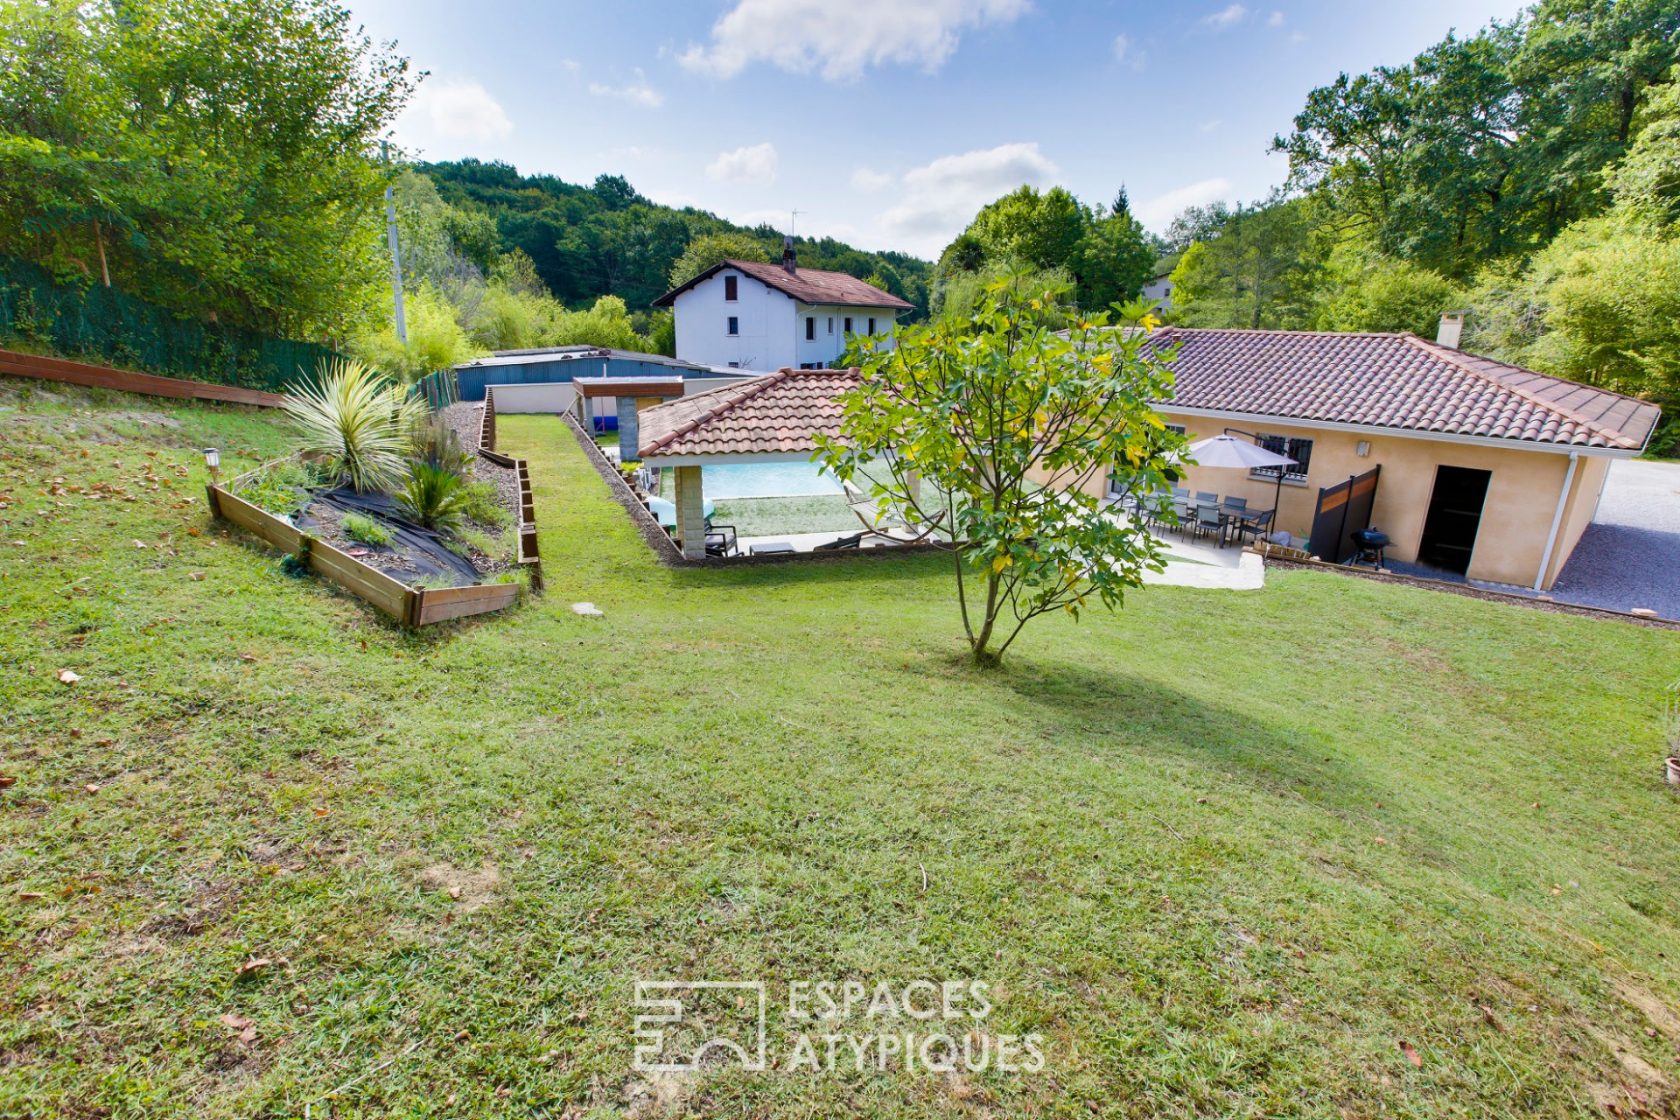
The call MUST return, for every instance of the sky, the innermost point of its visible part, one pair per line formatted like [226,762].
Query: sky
[888,123]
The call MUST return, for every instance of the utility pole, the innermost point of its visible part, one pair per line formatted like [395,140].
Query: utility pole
[396,253]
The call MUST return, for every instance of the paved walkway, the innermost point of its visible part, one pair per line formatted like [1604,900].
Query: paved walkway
[1630,555]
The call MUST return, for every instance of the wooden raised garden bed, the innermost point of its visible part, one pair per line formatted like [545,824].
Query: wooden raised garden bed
[411,606]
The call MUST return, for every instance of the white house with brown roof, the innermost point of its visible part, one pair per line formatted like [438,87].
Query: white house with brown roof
[759,316]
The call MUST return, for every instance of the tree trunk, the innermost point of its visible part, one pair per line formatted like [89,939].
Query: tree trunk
[99,239]
[983,656]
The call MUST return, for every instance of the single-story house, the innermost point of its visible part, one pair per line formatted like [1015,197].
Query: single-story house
[752,315]
[1486,469]
[1467,464]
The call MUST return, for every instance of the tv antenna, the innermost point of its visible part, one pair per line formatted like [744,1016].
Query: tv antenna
[793,222]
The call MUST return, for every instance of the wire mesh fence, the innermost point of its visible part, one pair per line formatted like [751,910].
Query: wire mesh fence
[109,326]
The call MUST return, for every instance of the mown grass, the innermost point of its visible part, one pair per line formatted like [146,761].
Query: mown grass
[1225,851]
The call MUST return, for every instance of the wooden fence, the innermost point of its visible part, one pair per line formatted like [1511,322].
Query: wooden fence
[1343,509]
[128,381]
[410,606]
[527,507]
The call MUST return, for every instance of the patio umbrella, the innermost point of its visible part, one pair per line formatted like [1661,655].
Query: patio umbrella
[1229,451]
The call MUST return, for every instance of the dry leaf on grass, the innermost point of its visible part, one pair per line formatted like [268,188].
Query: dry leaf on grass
[1411,1053]
[7,781]
[252,967]
[65,676]
[92,787]
[247,1029]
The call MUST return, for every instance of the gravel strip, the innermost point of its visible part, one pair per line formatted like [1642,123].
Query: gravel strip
[464,418]
[1630,555]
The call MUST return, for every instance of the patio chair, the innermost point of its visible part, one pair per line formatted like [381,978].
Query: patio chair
[868,512]
[1236,503]
[1205,497]
[721,540]
[1210,519]
[1257,526]
[1182,507]
[840,543]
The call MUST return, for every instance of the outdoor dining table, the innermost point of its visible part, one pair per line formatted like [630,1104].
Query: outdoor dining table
[1229,515]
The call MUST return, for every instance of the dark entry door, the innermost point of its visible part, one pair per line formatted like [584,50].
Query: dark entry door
[1455,513]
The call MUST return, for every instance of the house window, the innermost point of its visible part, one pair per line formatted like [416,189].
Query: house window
[734,365]
[846,324]
[831,324]
[810,327]
[872,326]
[1299,450]
[1176,429]
[731,288]
[734,325]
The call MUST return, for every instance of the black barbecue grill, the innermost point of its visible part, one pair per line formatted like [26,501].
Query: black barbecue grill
[1368,545]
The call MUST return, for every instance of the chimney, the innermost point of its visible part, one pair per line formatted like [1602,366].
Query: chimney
[790,259]
[1451,329]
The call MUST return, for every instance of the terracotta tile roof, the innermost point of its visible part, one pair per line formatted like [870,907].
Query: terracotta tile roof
[807,285]
[1394,381]
[779,412]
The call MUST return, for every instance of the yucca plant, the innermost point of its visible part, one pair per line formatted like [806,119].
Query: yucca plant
[358,421]
[433,497]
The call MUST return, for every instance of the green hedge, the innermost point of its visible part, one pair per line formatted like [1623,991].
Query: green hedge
[105,325]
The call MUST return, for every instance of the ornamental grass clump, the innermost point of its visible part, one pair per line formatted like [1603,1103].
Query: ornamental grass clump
[358,422]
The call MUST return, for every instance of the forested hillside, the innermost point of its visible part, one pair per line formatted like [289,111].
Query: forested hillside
[1529,173]
[606,239]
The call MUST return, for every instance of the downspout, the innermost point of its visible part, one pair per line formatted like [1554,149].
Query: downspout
[1557,519]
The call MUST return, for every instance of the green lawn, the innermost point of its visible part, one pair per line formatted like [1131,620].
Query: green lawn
[1226,852]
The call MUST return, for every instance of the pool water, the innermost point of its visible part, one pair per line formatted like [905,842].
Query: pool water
[768,480]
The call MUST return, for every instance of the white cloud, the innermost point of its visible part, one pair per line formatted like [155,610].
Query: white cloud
[941,197]
[841,41]
[868,179]
[1225,17]
[1161,209]
[637,92]
[458,110]
[1210,126]
[1121,45]
[1275,20]
[572,65]
[755,164]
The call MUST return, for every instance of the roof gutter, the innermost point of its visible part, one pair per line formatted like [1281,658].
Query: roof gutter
[1557,519]
[1403,433]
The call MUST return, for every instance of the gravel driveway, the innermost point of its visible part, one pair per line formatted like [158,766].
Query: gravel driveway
[1630,555]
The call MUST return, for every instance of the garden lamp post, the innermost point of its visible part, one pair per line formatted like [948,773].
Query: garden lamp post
[213,460]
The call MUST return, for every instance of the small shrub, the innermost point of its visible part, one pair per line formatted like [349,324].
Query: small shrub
[432,497]
[436,444]
[482,502]
[367,530]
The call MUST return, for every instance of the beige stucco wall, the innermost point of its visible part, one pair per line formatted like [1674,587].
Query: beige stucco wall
[1516,517]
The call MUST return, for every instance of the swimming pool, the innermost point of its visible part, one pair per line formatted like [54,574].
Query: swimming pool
[768,480]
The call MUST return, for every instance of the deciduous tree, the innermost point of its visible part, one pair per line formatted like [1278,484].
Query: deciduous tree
[995,428]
